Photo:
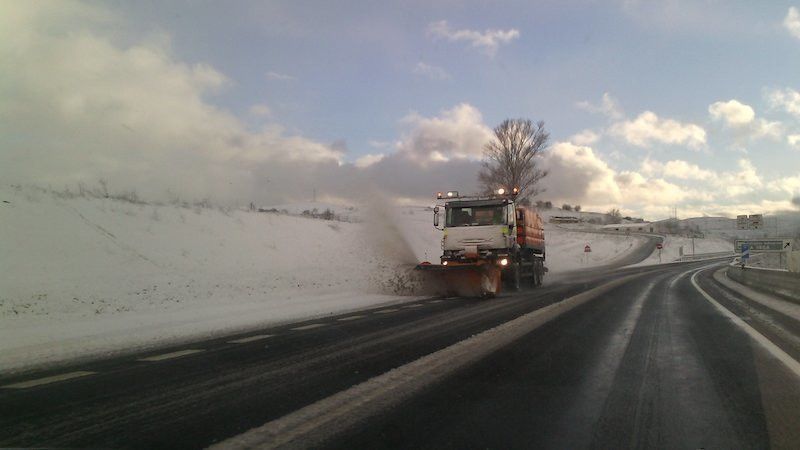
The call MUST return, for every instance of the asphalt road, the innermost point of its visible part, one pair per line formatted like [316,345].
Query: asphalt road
[647,363]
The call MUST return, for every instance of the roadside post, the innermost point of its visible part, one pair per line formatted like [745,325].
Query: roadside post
[745,254]
[659,246]
[586,250]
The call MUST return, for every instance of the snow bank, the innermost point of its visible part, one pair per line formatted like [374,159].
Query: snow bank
[565,249]
[95,275]
[672,246]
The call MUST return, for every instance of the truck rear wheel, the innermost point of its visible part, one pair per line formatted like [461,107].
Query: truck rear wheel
[538,273]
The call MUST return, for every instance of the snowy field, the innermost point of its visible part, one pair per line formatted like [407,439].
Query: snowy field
[565,251]
[89,276]
[672,248]
[98,275]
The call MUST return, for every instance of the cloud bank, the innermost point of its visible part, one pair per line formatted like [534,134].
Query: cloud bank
[487,41]
[78,106]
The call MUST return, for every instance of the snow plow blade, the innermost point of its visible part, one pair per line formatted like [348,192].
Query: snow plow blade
[475,279]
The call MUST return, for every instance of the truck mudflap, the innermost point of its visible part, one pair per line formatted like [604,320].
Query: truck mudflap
[472,279]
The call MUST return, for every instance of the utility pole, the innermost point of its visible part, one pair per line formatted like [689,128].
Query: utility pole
[314,197]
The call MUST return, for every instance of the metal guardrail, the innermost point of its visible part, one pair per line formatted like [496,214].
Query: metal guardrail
[699,256]
[777,282]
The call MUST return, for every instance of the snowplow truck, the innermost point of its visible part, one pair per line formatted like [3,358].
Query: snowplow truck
[487,242]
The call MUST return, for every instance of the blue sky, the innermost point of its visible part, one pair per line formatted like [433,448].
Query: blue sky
[627,90]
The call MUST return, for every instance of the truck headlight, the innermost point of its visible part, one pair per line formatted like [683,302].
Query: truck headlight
[504,262]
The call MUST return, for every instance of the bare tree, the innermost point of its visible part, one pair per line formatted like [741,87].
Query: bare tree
[510,159]
[614,216]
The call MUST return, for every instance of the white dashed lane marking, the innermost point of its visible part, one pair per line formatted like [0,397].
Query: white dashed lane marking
[345,319]
[47,380]
[309,327]
[179,353]
[171,355]
[257,337]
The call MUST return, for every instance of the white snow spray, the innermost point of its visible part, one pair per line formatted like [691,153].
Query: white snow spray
[383,234]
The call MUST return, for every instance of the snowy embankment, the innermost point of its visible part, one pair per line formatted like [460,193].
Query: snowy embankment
[90,276]
[87,277]
[565,249]
[672,248]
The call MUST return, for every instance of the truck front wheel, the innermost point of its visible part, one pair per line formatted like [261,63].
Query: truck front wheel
[514,276]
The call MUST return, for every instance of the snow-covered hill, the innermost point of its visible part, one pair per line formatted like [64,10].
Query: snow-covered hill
[92,275]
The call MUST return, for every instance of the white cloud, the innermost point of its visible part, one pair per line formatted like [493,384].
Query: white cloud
[379,144]
[488,41]
[260,110]
[786,99]
[732,113]
[278,76]
[727,184]
[790,185]
[765,128]
[792,22]
[432,72]
[608,107]
[85,108]
[579,175]
[368,160]
[585,137]
[458,132]
[677,169]
[742,118]
[648,128]
[793,140]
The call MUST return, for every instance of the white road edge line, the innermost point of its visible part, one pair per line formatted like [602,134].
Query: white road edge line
[768,345]
[309,327]
[312,425]
[47,380]
[345,319]
[257,337]
[387,311]
[171,355]
[415,305]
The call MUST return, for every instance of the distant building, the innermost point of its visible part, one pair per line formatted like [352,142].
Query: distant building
[742,222]
[756,221]
[753,222]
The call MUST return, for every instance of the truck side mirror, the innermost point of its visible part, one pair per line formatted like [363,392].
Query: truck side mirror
[436,217]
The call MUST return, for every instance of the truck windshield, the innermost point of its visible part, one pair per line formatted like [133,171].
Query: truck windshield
[475,215]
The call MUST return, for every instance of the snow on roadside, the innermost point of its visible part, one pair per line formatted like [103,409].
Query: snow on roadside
[87,276]
[565,249]
[672,245]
